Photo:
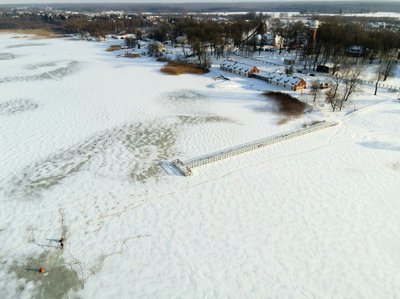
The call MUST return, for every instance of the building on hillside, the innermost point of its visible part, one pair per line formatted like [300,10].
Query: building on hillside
[155,48]
[272,40]
[204,64]
[283,80]
[375,25]
[182,40]
[123,36]
[289,61]
[329,68]
[313,27]
[355,51]
[301,38]
[239,68]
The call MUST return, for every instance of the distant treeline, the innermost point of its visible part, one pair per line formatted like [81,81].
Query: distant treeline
[278,6]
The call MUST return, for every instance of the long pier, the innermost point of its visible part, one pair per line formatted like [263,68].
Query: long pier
[185,167]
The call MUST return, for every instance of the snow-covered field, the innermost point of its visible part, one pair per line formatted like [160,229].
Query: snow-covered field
[82,134]
[381,14]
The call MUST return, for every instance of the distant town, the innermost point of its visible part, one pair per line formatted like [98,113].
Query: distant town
[340,44]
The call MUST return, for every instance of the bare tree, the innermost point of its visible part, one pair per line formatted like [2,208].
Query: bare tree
[389,63]
[130,42]
[385,69]
[333,95]
[315,89]
[351,82]
[379,76]
[338,78]
[338,57]
[289,70]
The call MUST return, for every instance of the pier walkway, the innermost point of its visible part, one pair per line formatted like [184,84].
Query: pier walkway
[185,167]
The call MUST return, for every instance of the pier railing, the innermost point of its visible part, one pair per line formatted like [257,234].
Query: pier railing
[185,167]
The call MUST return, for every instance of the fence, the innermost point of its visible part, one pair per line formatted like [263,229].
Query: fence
[381,85]
[185,167]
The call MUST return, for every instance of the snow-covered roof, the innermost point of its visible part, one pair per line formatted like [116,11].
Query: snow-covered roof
[355,49]
[330,65]
[156,44]
[235,65]
[282,78]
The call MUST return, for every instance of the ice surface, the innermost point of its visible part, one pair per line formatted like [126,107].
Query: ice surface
[82,135]
[17,106]
[6,56]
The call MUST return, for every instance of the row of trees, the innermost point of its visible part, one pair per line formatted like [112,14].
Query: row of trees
[203,35]
[379,47]
[333,41]
[101,26]
[344,85]
[331,45]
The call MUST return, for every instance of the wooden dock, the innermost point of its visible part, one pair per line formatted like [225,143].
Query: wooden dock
[185,167]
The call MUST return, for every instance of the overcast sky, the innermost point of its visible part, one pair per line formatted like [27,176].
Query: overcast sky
[144,1]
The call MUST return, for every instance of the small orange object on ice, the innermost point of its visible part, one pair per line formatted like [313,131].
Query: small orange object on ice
[41,270]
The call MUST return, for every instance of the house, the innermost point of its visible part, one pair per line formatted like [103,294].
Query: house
[289,61]
[328,68]
[124,36]
[355,51]
[182,40]
[155,48]
[375,25]
[239,68]
[273,40]
[140,44]
[283,80]
[323,69]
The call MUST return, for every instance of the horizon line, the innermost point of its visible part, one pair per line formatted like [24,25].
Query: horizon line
[192,2]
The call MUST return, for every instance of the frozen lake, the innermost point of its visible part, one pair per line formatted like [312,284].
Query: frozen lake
[82,134]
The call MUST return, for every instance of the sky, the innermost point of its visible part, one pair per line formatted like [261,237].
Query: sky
[148,1]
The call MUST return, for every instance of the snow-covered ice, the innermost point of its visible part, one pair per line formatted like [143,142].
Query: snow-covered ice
[82,134]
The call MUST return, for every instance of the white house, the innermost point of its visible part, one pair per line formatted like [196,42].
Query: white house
[273,40]
[283,80]
[239,68]
[355,50]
